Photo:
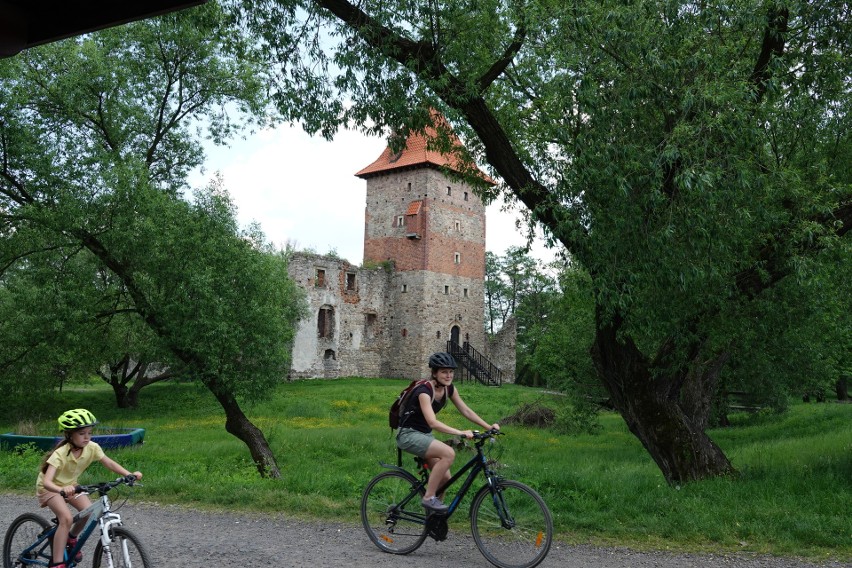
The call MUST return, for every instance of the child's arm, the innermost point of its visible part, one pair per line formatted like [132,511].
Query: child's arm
[49,484]
[114,466]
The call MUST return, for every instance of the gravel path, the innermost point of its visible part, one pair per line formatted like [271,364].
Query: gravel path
[187,538]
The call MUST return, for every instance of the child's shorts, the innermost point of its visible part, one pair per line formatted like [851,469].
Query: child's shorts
[413,441]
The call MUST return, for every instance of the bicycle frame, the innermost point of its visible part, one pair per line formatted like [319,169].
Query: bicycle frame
[99,514]
[473,467]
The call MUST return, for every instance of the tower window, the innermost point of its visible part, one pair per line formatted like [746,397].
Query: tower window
[325,322]
[458,226]
[465,292]
[409,186]
[446,290]
[449,190]
[350,281]
[457,258]
[465,196]
[400,221]
[320,278]
[404,288]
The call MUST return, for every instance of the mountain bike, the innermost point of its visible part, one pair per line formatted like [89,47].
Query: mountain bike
[510,522]
[29,538]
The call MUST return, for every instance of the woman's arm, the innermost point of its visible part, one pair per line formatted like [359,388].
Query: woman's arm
[468,412]
[429,415]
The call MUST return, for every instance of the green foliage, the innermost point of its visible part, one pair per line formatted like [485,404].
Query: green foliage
[791,497]
[689,157]
[99,134]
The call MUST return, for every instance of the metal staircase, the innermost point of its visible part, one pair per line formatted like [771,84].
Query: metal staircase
[474,365]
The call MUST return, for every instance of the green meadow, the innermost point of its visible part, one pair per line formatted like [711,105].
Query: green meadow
[792,497]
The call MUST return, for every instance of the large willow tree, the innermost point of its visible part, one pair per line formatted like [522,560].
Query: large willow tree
[690,156]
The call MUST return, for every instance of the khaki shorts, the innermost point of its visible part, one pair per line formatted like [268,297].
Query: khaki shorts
[45,496]
[413,441]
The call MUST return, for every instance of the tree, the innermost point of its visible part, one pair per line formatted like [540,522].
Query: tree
[511,280]
[97,135]
[687,156]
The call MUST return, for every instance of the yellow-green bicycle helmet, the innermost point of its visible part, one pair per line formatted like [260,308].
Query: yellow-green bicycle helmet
[77,418]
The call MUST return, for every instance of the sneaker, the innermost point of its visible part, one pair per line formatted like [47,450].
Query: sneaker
[72,542]
[434,504]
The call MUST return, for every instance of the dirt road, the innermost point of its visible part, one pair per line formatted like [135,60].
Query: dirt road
[186,538]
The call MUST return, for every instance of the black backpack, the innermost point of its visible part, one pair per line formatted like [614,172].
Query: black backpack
[399,410]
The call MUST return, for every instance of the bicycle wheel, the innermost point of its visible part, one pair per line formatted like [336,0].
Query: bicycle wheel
[512,528]
[20,536]
[392,514]
[124,548]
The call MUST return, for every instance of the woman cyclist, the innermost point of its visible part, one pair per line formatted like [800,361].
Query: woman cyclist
[420,418]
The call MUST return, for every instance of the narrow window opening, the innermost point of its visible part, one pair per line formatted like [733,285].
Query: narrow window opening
[320,279]
[325,322]
[465,292]
[465,196]
[350,281]
[404,288]
[449,190]
[457,258]
[446,290]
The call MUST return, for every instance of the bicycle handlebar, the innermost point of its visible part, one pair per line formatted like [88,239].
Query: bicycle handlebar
[477,435]
[104,487]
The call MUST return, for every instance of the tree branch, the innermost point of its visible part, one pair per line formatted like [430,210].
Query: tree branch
[773,45]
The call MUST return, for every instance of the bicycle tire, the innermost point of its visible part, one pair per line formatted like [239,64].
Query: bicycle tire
[21,534]
[394,528]
[125,548]
[526,541]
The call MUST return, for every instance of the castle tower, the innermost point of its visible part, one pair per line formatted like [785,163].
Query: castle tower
[431,227]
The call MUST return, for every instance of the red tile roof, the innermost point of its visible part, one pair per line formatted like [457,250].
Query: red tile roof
[416,153]
[414,208]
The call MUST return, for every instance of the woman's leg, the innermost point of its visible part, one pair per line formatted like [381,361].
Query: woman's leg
[440,457]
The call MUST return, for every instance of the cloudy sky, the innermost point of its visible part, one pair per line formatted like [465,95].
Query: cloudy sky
[303,190]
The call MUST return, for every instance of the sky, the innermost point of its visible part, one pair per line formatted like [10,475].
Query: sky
[302,190]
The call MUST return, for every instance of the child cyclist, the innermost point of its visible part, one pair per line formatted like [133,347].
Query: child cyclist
[419,419]
[58,476]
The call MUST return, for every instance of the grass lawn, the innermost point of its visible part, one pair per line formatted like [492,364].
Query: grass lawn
[793,496]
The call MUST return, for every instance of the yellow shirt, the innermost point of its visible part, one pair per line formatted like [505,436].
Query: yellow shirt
[68,467]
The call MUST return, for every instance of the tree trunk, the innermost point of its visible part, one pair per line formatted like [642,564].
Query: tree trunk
[121,398]
[667,411]
[841,387]
[237,424]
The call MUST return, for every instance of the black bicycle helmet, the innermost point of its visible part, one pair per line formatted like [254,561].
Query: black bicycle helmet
[442,360]
[77,418]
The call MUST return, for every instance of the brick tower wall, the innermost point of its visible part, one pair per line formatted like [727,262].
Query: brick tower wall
[433,228]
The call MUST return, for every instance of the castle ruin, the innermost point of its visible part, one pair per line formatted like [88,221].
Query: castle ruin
[421,286]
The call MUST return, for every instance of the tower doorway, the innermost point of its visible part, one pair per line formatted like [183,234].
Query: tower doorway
[455,334]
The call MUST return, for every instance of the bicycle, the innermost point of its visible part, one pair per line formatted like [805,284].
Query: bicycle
[29,538]
[510,522]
